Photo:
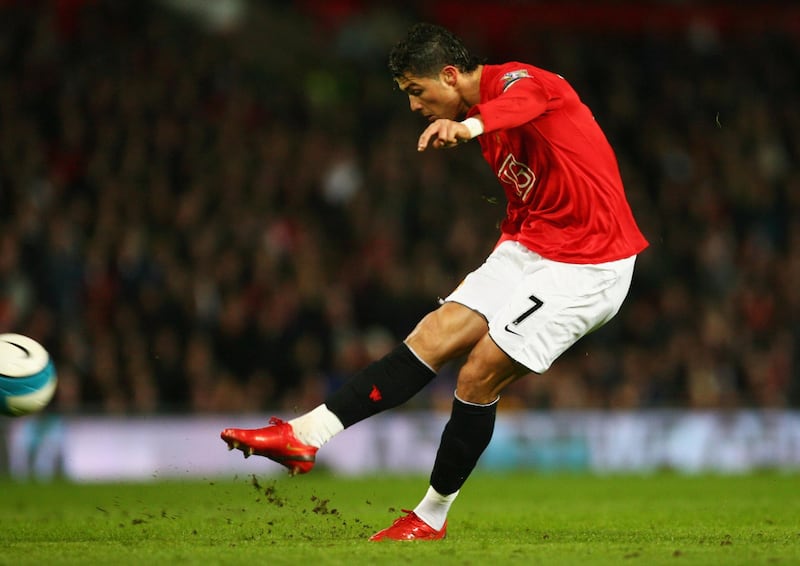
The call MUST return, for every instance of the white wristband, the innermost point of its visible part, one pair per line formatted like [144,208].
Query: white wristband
[474,125]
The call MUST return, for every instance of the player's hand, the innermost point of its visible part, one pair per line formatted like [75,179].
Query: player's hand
[443,133]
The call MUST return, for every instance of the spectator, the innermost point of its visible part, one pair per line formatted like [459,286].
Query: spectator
[178,225]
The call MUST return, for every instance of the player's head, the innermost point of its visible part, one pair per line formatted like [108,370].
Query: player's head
[426,50]
[429,66]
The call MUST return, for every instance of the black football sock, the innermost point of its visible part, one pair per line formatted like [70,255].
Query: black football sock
[384,384]
[465,437]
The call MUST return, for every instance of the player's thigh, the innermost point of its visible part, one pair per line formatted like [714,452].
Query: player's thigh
[446,333]
[462,319]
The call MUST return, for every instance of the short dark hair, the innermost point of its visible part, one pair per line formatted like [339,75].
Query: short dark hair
[426,49]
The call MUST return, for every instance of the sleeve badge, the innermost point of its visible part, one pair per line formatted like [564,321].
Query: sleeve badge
[513,76]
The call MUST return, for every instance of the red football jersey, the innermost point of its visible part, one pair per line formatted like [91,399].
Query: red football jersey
[565,195]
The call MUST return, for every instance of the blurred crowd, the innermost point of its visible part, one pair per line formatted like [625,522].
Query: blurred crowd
[235,218]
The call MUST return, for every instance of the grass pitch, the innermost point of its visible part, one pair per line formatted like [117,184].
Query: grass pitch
[508,519]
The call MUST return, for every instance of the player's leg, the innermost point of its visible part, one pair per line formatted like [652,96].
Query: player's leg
[449,331]
[553,306]
[467,434]
[442,335]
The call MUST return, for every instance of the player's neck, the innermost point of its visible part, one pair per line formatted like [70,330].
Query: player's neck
[471,87]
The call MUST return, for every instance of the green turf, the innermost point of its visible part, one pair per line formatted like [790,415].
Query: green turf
[512,519]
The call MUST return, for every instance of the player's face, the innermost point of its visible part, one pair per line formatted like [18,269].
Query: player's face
[433,97]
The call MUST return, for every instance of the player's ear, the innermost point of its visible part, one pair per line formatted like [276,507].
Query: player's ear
[449,75]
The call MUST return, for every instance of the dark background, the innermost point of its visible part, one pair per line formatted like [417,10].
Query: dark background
[225,211]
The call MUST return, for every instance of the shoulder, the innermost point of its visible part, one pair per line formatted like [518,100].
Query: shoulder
[500,77]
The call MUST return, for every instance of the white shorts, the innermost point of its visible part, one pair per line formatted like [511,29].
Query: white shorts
[537,308]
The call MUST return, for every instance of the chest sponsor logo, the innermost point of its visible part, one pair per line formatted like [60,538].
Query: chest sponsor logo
[517,174]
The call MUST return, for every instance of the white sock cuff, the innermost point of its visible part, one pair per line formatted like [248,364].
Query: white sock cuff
[423,362]
[476,404]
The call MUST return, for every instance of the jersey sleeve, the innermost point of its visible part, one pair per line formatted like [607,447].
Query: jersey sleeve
[518,100]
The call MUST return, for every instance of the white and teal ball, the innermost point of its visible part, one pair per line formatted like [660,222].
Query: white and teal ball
[27,375]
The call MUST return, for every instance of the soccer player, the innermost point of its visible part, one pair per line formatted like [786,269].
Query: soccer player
[561,268]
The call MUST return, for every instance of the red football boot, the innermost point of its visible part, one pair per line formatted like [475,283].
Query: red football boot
[410,527]
[276,442]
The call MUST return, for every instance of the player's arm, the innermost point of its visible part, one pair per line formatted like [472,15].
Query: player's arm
[449,133]
[521,102]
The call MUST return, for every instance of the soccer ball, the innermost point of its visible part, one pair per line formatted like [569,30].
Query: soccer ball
[27,375]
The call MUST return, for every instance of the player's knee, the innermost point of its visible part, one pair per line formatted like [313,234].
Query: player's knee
[446,333]
[476,379]
[485,374]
